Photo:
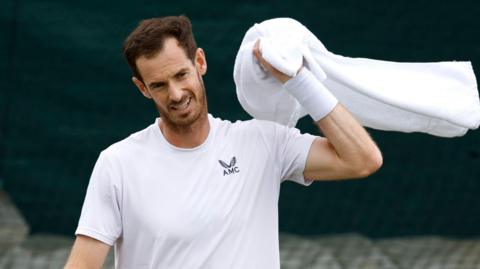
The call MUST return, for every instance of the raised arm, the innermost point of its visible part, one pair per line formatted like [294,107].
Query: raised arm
[346,151]
[87,253]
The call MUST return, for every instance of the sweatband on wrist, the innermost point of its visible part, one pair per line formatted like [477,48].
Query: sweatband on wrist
[311,94]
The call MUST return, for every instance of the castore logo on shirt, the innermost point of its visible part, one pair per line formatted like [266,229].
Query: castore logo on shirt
[229,168]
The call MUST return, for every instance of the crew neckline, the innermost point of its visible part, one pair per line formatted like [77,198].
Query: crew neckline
[165,142]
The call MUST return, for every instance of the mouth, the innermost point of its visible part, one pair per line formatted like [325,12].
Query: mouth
[183,105]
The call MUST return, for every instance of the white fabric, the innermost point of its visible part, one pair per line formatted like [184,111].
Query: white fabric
[311,94]
[213,206]
[287,59]
[437,98]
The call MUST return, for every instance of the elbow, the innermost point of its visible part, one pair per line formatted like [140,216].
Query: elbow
[370,164]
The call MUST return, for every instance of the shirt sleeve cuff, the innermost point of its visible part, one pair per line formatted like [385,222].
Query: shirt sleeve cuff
[95,235]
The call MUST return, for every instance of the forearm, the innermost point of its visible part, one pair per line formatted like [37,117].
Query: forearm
[347,151]
[350,140]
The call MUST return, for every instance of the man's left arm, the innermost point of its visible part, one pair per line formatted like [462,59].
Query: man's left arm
[347,150]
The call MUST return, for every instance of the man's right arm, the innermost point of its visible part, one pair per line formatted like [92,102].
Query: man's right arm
[87,253]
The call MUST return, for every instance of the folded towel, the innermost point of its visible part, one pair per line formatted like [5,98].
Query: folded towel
[439,98]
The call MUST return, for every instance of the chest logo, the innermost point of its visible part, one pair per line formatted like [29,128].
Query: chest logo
[229,168]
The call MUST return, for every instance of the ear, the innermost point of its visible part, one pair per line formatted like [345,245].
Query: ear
[201,61]
[141,87]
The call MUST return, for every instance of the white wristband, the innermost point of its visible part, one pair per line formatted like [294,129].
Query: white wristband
[311,94]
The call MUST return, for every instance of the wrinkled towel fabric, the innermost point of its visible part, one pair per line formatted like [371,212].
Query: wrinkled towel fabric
[438,98]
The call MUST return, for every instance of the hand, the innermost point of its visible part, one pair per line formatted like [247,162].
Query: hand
[277,74]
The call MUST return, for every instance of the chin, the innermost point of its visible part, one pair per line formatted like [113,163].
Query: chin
[197,112]
[182,121]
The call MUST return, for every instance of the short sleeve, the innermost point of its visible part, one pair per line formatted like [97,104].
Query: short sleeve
[292,150]
[101,211]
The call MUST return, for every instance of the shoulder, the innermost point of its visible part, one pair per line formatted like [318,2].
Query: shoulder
[252,125]
[130,145]
[262,131]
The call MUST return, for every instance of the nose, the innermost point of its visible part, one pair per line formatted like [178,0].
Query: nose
[175,92]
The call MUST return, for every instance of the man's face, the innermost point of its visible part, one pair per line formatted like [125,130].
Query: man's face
[174,83]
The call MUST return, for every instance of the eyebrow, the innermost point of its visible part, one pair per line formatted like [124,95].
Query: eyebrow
[155,84]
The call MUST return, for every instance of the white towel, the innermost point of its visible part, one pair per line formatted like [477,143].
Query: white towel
[438,98]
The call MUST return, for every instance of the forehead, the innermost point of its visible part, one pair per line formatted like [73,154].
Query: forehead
[166,63]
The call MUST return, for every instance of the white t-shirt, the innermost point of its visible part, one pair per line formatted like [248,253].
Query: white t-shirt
[213,206]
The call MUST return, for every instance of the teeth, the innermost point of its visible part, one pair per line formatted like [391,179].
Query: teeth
[182,105]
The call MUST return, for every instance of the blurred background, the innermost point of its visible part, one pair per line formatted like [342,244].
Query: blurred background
[66,94]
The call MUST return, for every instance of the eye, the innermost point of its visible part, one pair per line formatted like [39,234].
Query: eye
[181,74]
[157,86]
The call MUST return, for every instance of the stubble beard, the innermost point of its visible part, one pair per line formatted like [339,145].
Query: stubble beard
[195,116]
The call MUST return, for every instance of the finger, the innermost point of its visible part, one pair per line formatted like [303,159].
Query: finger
[257,55]
[263,63]
[256,50]
[257,45]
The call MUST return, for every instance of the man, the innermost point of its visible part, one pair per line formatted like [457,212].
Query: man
[193,191]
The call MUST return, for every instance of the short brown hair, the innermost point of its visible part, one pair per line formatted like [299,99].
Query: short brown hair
[148,38]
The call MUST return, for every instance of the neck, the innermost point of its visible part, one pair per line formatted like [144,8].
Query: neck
[190,136]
